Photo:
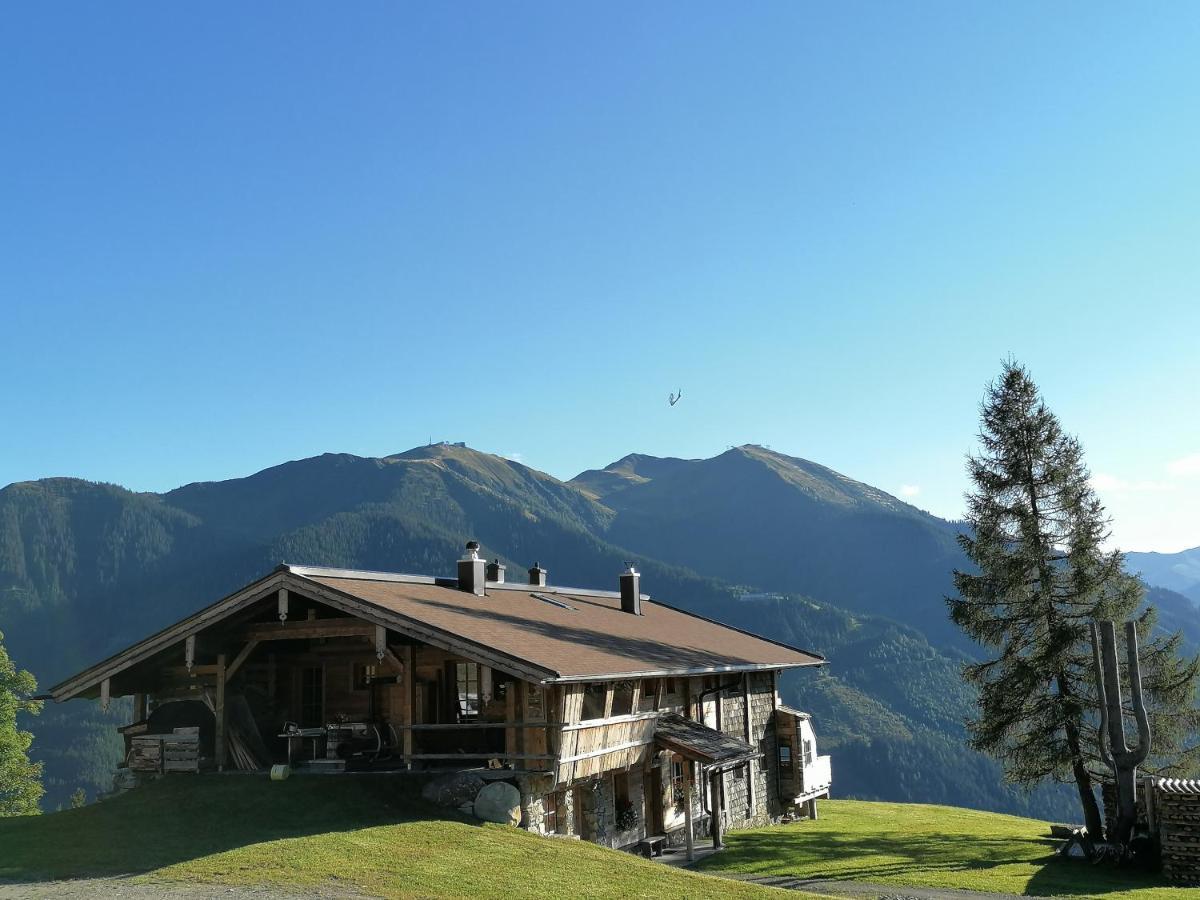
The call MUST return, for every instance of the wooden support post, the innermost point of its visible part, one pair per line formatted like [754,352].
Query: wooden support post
[219,715]
[243,654]
[510,714]
[687,810]
[189,651]
[714,794]
[746,709]
[608,700]
[812,809]
[283,604]
[105,694]
[139,707]
[408,699]
[380,642]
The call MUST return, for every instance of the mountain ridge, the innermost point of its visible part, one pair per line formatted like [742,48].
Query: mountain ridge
[87,568]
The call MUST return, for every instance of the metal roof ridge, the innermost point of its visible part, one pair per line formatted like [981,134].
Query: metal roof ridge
[365,575]
[405,578]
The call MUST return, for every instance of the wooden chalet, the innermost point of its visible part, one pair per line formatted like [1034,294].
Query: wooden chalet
[619,719]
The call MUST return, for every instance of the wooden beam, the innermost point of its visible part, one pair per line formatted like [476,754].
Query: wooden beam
[219,714]
[193,674]
[307,630]
[283,605]
[608,700]
[189,652]
[105,694]
[457,726]
[612,720]
[271,675]
[243,654]
[615,748]
[482,754]
[139,707]
[408,697]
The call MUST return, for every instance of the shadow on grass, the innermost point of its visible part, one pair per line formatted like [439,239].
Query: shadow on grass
[909,858]
[181,818]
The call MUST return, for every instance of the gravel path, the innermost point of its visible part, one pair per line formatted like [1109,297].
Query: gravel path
[866,889]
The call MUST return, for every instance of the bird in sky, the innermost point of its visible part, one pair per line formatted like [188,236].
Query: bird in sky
[674,398]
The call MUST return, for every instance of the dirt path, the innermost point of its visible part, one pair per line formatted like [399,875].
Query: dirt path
[127,889]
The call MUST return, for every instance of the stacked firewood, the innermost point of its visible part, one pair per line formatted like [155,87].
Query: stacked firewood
[1176,805]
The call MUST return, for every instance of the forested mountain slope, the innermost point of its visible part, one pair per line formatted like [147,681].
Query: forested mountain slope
[758,517]
[87,568]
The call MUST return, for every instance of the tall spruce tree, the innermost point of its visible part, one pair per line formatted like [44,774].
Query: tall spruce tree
[20,779]
[1037,536]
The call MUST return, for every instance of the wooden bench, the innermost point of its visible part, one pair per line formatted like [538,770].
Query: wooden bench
[652,845]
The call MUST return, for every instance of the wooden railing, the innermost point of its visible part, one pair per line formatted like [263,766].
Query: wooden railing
[588,748]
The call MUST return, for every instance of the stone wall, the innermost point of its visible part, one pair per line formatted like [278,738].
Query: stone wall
[751,799]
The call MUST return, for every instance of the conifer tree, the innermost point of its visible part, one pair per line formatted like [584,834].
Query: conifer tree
[20,779]
[1037,538]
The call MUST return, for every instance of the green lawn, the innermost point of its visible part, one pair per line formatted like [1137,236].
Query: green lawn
[369,833]
[909,844]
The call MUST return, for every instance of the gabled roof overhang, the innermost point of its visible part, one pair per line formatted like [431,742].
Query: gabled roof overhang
[284,578]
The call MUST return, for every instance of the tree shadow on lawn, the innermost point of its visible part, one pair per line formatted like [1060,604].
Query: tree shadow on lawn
[908,857]
[186,817]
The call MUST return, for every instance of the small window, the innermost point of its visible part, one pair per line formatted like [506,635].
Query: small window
[622,698]
[739,773]
[466,676]
[808,754]
[594,695]
[648,702]
[785,755]
[678,786]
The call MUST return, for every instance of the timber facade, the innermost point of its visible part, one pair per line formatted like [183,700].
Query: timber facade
[618,719]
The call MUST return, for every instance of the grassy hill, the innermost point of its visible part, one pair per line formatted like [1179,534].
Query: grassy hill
[919,845]
[373,835]
[366,834]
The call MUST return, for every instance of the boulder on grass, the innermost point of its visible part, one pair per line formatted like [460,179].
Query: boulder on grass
[453,790]
[499,802]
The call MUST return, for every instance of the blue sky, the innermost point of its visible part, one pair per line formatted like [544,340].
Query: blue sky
[238,235]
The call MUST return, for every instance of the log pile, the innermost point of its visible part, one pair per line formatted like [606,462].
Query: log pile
[1176,812]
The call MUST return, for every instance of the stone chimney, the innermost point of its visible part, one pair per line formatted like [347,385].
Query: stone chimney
[631,591]
[471,573]
[537,576]
[495,571]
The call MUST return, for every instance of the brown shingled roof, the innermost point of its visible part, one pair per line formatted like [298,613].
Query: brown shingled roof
[575,634]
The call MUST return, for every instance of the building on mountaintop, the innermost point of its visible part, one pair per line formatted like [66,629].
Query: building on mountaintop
[614,718]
